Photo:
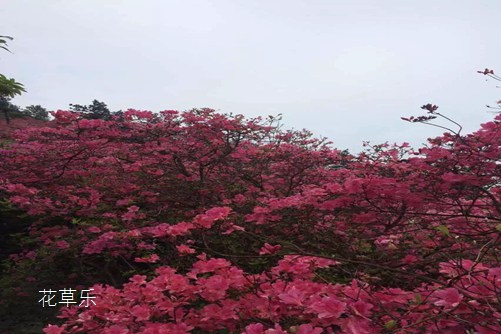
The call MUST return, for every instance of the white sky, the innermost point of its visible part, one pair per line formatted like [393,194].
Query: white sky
[347,70]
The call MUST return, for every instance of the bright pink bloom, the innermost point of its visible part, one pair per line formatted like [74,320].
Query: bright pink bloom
[53,329]
[185,249]
[214,287]
[181,228]
[210,265]
[269,249]
[141,312]
[277,330]
[254,329]
[328,307]
[309,329]
[355,325]
[230,228]
[213,312]
[449,298]
[116,329]
[138,279]
[218,213]
[170,328]
[361,308]
[292,296]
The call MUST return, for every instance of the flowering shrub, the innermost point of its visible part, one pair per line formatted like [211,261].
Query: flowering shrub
[214,295]
[200,222]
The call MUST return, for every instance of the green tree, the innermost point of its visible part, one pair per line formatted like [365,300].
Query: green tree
[96,110]
[9,88]
[37,112]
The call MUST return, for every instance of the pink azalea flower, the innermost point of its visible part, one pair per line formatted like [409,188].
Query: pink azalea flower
[94,229]
[269,249]
[158,328]
[449,298]
[122,202]
[138,279]
[141,312]
[213,312]
[218,213]
[308,329]
[53,329]
[185,249]
[293,296]
[133,208]
[134,233]
[31,255]
[214,287]
[116,329]
[144,245]
[210,265]
[328,307]
[232,228]
[61,244]
[181,228]
[254,329]
[355,325]
[277,330]
[361,308]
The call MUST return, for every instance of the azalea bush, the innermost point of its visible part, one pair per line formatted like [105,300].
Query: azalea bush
[200,222]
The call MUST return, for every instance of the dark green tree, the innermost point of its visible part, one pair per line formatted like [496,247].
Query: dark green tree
[9,88]
[37,112]
[96,110]
[10,110]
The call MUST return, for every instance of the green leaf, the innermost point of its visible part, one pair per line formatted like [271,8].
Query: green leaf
[390,324]
[10,87]
[444,230]
[498,227]
[76,221]
[3,41]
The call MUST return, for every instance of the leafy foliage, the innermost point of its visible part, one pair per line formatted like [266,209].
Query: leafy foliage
[96,110]
[9,88]
[3,42]
[37,112]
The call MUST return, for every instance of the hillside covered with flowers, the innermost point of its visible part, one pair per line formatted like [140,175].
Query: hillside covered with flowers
[200,222]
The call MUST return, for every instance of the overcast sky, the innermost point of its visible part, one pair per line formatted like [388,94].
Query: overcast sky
[347,70]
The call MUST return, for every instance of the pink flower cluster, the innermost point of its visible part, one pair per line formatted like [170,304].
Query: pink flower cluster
[216,295]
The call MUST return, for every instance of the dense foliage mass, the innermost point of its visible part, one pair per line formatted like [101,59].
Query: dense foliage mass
[198,222]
